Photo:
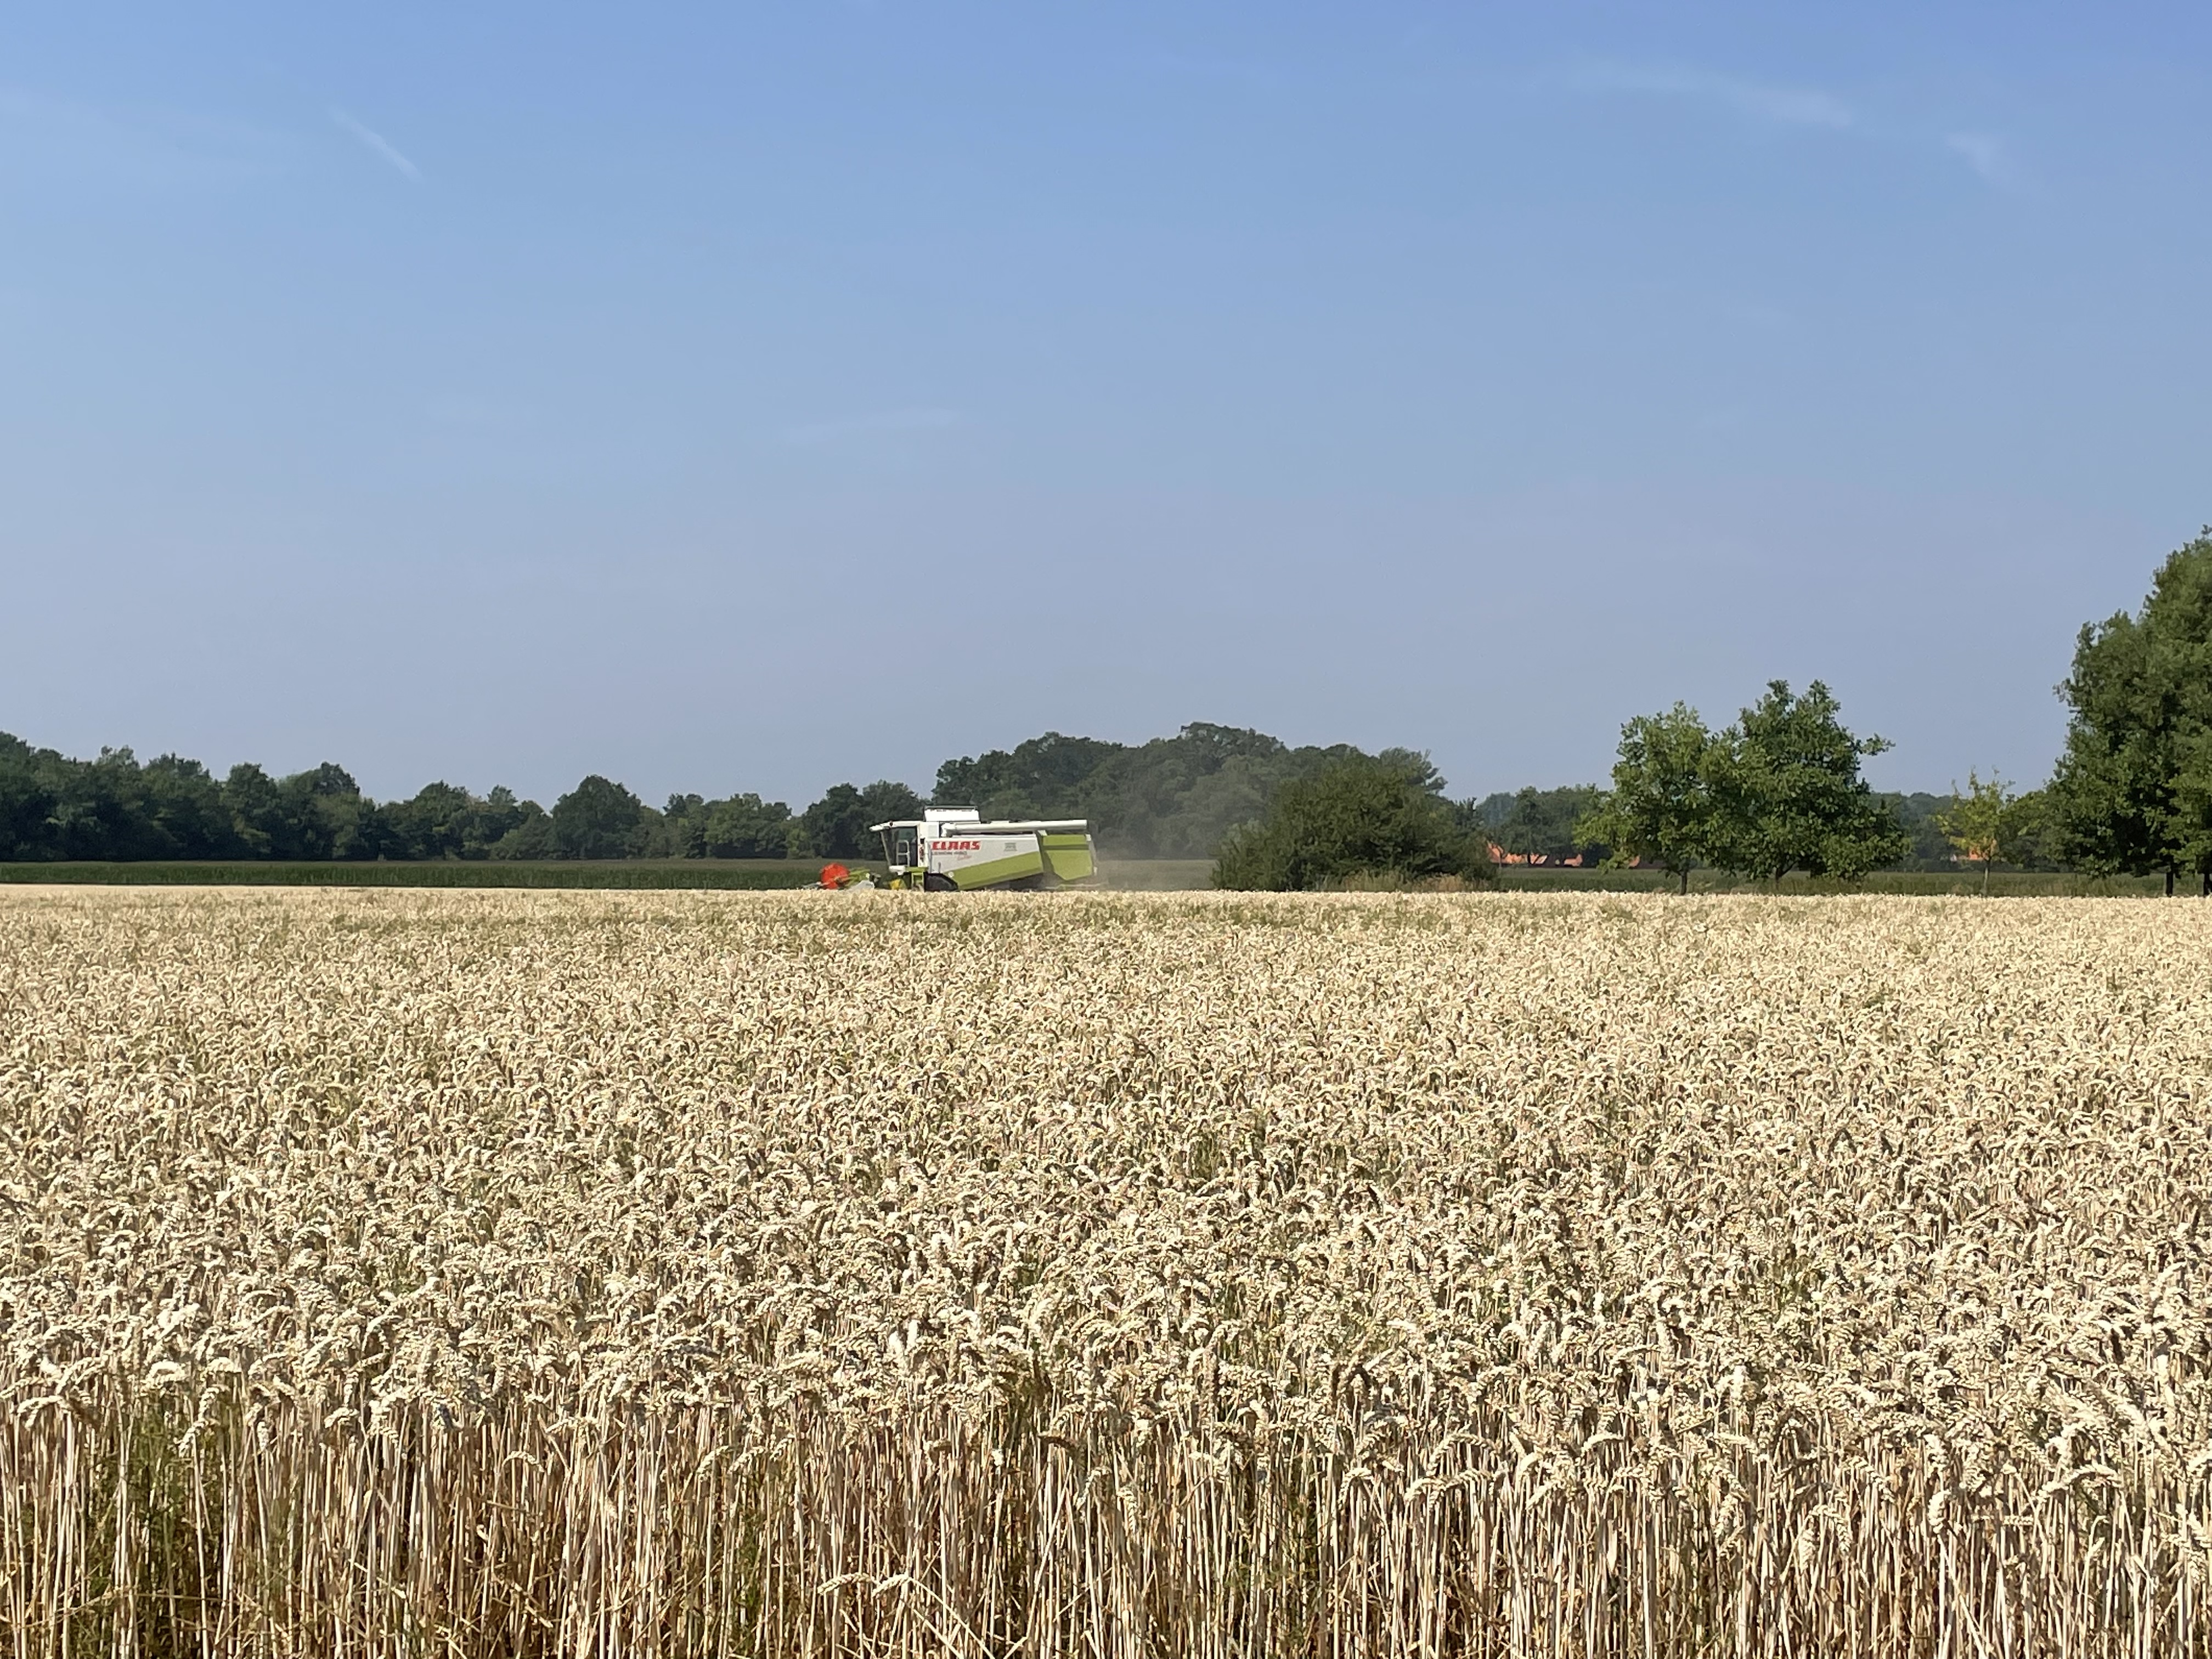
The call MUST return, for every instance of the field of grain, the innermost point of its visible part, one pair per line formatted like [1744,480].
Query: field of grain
[519,1274]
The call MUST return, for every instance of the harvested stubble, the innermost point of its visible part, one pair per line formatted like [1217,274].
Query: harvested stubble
[507,1274]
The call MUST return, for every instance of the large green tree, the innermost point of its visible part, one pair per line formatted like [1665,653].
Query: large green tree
[746,827]
[182,802]
[433,824]
[339,821]
[836,826]
[27,800]
[1787,793]
[2132,793]
[1660,808]
[597,819]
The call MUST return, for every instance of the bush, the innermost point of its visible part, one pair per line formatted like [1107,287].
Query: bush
[1360,817]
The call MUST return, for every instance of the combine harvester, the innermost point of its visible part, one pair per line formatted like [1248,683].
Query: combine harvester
[950,849]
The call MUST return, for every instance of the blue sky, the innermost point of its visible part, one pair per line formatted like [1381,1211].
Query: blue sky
[752,397]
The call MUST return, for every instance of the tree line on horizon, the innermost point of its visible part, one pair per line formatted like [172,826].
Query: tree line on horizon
[1171,798]
[118,808]
[1778,790]
[1175,797]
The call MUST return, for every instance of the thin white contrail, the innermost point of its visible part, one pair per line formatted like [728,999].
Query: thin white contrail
[1792,106]
[377,142]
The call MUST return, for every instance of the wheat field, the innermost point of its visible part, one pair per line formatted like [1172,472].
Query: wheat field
[546,1274]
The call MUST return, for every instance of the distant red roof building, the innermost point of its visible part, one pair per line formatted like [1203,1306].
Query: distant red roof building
[1499,855]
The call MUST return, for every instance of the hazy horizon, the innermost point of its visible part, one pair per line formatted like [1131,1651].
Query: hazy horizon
[743,401]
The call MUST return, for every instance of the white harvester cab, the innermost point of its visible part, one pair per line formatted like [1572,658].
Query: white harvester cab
[952,848]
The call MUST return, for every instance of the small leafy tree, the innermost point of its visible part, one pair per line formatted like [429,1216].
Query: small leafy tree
[1660,809]
[1361,814]
[1974,823]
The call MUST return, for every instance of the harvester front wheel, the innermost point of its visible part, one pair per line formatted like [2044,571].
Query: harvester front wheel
[935,882]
